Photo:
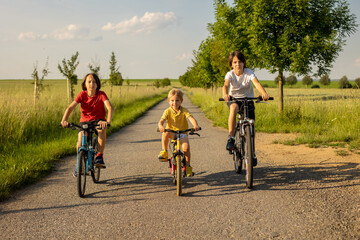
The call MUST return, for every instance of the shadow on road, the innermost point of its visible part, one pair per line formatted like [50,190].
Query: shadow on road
[205,184]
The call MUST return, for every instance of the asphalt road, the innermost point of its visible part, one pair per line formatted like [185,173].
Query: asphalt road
[137,200]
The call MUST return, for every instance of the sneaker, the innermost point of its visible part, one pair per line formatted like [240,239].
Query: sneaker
[230,144]
[163,156]
[189,172]
[254,160]
[99,162]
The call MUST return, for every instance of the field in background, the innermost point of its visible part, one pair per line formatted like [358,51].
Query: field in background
[30,137]
[321,117]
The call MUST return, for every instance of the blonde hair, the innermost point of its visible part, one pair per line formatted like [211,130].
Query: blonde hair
[176,92]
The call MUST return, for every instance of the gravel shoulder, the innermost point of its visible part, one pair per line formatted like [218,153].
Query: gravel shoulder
[299,193]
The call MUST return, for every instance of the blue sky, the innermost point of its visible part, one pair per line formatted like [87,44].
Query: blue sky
[150,39]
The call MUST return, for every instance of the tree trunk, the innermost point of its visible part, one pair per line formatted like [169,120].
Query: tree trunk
[68,90]
[281,91]
[35,89]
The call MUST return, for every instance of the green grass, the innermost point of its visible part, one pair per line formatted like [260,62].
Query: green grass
[319,117]
[30,138]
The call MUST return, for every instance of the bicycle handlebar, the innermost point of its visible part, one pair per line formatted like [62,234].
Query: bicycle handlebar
[191,130]
[74,126]
[245,98]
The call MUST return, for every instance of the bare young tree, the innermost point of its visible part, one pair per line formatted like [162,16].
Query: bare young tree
[38,82]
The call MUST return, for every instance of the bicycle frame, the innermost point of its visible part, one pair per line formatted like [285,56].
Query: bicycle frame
[88,148]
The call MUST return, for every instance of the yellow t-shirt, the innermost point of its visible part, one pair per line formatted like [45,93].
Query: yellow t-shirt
[176,121]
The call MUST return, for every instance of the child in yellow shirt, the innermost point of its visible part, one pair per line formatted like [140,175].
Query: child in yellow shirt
[176,117]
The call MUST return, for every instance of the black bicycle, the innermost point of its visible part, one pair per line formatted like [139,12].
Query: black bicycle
[86,156]
[244,139]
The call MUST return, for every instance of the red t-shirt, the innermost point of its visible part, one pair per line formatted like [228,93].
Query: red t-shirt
[92,108]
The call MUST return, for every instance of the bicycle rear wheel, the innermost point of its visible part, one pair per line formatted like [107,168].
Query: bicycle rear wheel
[249,154]
[178,176]
[81,174]
[237,152]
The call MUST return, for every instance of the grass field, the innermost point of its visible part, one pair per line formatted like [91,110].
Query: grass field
[320,117]
[30,137]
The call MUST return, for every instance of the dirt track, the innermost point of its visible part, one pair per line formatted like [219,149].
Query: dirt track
[299,193]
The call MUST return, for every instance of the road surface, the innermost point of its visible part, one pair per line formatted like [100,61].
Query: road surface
[299,193]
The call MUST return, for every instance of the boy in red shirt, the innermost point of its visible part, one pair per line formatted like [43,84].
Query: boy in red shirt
[93,103]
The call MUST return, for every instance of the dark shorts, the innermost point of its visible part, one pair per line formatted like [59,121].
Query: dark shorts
[241,108]
[89,123]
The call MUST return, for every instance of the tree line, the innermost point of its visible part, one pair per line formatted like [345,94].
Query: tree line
[67,69]
[280,36]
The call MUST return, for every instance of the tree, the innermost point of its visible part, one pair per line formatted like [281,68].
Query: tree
[38,82]
[68,70]
[292,35]
[325,80]
[94,68]
[165,82]
[357,83]
[344,83]
[276,80]
[115,77]
[291,80]
[307,80]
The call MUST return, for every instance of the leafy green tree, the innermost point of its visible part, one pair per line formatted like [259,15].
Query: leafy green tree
[165,82]
[344,83]
[276,80]
[291,80]
[289,35]
[68,70]
[157,83]
[307,80]
[325,80]
[38,82]
[115,77]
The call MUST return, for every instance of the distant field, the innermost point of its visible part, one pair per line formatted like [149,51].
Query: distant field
[272,84]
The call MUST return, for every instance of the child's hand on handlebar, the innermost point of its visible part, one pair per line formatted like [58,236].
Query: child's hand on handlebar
[265,97]
[64,124]
[161,128]
[197,128]
[226,97]
[102,124]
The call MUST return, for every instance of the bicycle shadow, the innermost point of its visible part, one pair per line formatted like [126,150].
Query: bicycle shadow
[203,184]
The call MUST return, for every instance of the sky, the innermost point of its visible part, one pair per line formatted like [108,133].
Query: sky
[150,39]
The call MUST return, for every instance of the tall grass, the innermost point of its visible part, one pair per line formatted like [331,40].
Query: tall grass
[320,116]
[30,137]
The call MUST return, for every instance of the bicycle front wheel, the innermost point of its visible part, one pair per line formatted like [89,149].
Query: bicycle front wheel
[95,174]
[237,152]
[249,155]
[81,174]
[178,176]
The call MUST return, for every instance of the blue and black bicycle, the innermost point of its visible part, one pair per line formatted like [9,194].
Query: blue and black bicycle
[86,156]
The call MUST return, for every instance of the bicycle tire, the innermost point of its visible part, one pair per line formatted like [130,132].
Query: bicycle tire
[237,157]
[178,176]
[81,174]
[249,154]
[95,174]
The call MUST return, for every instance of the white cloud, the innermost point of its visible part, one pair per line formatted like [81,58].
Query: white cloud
[30,36]
[357,62]
[70,32]
[146,24]
[184,56]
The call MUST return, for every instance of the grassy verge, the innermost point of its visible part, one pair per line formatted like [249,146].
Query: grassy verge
[320,117]
[22,164]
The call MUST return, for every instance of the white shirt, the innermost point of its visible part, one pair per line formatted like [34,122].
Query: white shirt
[241,86]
